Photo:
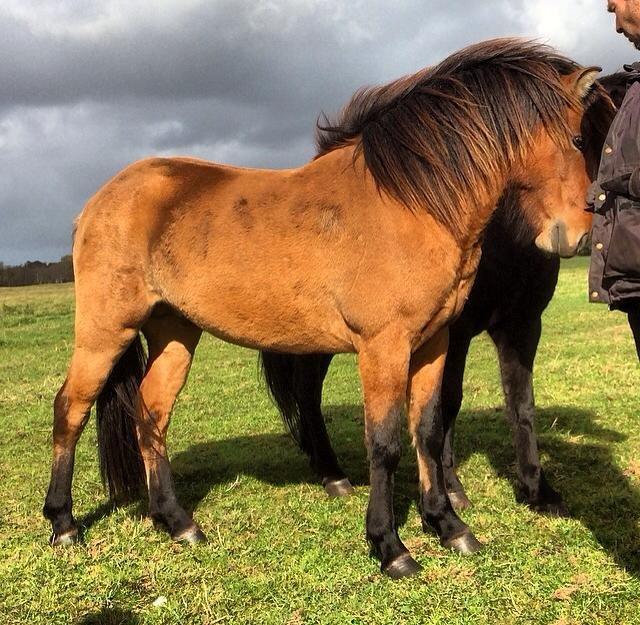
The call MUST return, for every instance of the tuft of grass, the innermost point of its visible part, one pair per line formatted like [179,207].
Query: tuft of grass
[279,551]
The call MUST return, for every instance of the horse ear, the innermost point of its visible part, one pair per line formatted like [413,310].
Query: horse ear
[582,80]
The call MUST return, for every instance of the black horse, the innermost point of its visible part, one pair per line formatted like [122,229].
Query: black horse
[512,317]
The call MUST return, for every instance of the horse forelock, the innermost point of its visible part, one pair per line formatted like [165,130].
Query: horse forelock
[438,139]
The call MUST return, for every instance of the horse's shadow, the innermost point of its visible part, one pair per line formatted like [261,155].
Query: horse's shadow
[109,616]
[596,491]
[578,458]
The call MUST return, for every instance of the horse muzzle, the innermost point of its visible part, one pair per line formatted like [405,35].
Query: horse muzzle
[559,241]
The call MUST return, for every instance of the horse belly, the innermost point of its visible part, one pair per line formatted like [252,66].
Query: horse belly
[263,308]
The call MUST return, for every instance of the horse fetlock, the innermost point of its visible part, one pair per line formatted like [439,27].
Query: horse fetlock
[459,500]
[386,546]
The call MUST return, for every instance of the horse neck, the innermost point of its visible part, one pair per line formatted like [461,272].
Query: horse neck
[477,218]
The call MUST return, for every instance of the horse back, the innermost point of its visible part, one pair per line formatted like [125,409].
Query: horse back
[297,260]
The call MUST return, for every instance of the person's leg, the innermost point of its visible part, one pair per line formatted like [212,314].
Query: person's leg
[633,316]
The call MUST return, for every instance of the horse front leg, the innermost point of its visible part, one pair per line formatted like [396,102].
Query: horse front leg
[427,431]
[517,343]
[383,364]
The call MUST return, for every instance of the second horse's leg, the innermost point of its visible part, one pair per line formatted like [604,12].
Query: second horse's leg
[309,375]
[517,344]
[451,400]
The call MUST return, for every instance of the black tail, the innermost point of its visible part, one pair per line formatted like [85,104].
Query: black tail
[279,372]
[121,465]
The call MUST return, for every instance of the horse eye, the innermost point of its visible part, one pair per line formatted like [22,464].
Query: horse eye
[578,142]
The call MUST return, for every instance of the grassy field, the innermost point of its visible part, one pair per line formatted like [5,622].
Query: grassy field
[279,550]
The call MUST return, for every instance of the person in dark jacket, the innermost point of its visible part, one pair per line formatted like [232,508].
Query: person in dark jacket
[614,276]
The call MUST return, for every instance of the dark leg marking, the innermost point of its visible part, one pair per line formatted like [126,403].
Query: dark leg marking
[451,397]
[516,352]
[436,509]
[383,443]
[309,374]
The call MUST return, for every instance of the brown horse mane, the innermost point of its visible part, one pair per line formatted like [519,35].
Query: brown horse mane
[437,139]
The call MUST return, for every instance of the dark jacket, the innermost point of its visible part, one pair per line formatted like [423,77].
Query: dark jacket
[614,275]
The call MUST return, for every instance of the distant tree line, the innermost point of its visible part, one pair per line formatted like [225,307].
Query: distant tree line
[36,272]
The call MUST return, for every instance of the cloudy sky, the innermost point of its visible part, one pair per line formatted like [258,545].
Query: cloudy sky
[91,85]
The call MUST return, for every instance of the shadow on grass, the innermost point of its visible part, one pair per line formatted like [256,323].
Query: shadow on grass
[109,616]
[578,458]
[578,452]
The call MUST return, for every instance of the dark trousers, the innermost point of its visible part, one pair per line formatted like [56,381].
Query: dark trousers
[633,316]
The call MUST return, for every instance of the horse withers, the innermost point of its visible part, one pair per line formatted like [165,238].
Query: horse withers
[513,286]
[370,248]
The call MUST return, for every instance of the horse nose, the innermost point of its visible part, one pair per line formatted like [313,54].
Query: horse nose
[560,240]
[555,238]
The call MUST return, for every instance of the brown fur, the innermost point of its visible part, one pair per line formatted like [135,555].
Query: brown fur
[415,130]
[323,258]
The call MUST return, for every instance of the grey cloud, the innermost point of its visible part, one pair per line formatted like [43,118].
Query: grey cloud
[236,81]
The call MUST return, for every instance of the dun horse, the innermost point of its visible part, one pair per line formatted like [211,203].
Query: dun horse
[370,248]
[514,284]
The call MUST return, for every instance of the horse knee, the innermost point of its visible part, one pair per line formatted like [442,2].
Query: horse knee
[384,444]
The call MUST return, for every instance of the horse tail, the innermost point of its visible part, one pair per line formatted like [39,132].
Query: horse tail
[121,465]
[279,374]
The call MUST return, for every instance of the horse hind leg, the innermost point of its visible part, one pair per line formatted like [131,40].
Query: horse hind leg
[450,402]
[95,355]
[172,341]
[295,386]
[309,374]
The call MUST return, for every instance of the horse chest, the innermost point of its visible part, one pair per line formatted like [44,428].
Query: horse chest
[457,292]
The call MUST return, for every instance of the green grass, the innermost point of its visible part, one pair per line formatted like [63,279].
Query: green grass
[279,550]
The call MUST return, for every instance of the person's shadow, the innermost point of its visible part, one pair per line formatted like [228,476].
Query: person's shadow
[595,489]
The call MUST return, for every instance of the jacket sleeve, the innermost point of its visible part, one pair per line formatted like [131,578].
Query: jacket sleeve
[627,185]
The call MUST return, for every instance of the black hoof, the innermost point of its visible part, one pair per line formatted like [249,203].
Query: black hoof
[339,488]
[402,566]
[65,539]
[191,536]
[466,544]
[459,500]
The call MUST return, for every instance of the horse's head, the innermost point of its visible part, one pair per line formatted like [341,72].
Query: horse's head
[555,174]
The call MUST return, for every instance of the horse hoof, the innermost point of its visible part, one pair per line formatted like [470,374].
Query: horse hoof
[459,500]
[402,566]
[466,544]
[64,540]
[339,488]
[191,536]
